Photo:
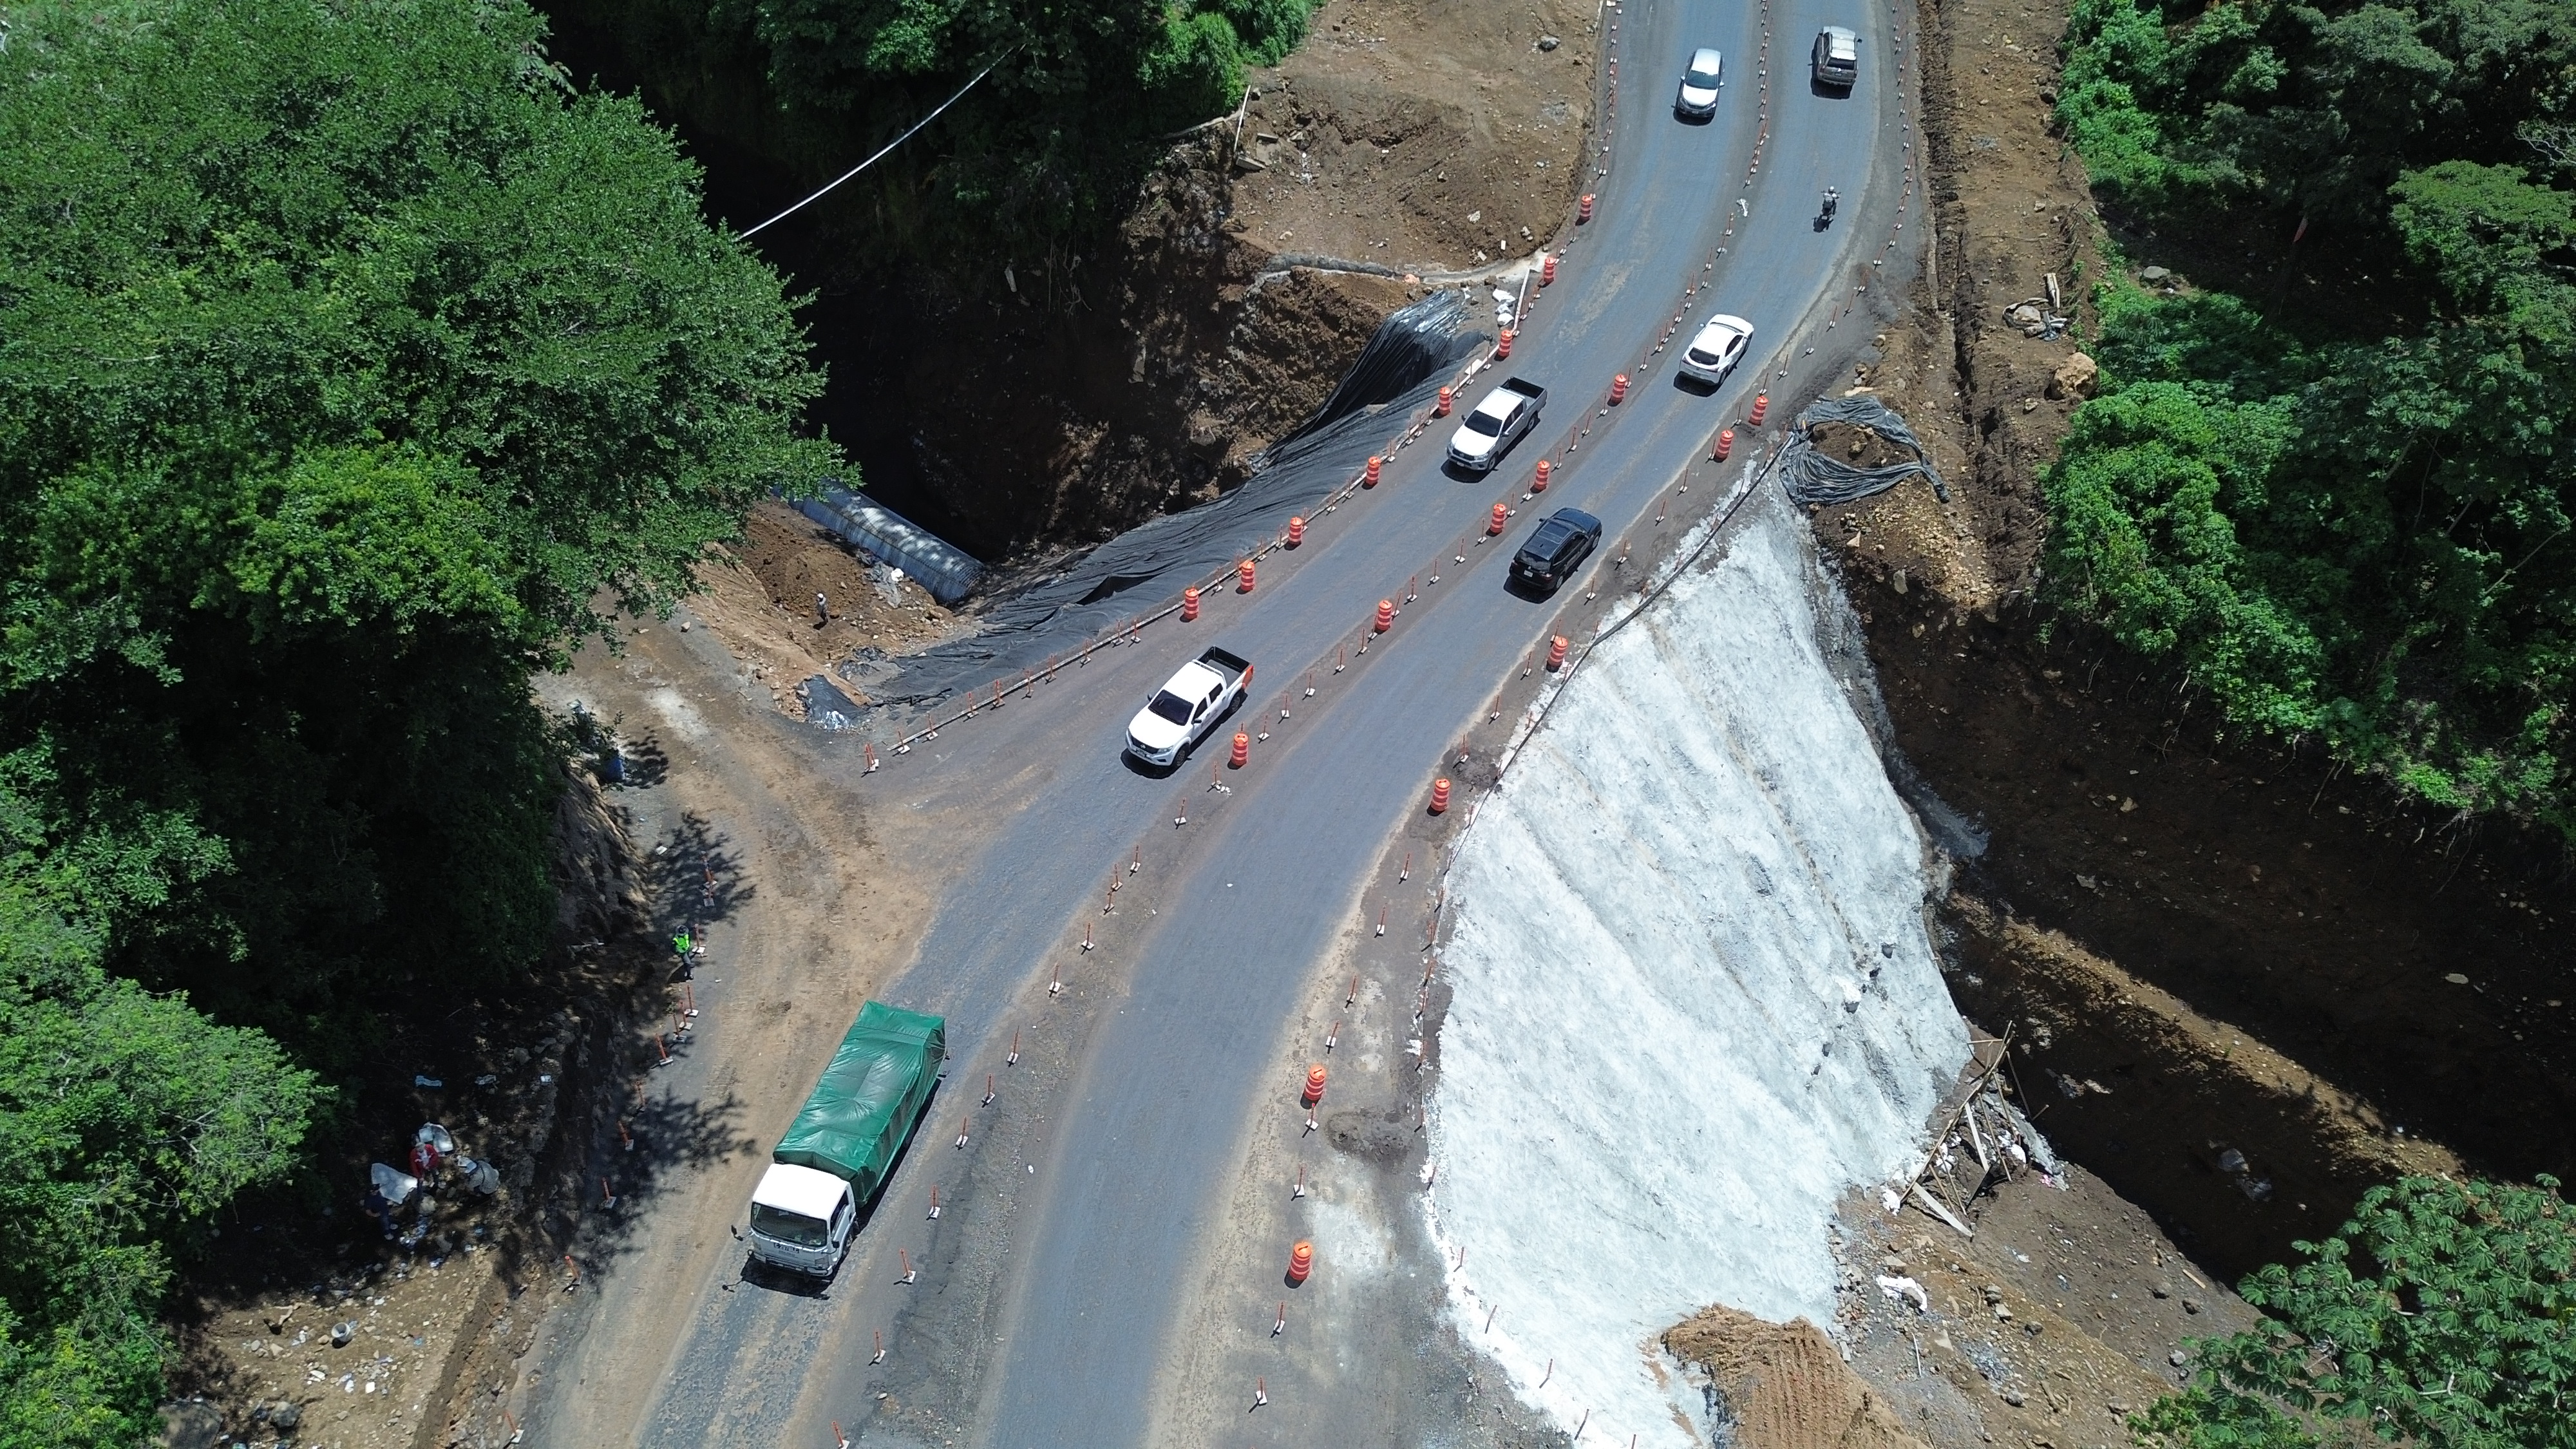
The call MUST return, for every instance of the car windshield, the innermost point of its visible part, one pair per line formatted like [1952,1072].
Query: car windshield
[1485,423]
[1702,78]
[788,1227]
[1171,706]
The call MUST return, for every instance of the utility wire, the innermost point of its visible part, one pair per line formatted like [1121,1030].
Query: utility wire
[889,146]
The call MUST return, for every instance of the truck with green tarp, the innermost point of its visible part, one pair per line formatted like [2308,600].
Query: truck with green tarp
[845,1139]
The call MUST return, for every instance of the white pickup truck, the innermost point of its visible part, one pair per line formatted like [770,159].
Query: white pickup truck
[1188,705]
[1504,415]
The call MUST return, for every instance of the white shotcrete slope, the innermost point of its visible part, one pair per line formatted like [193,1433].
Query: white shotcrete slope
[1694,999]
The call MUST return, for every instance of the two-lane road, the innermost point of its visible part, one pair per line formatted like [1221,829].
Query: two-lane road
[1055,1274]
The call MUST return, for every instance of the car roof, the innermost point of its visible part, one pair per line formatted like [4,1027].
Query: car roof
[1730,322]
[1841,36]
[1704,58]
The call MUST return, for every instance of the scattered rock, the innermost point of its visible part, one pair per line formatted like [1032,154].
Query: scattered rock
[191,1424]
[1549,42]
[2078,376]
[2177,1358]
[2022,314]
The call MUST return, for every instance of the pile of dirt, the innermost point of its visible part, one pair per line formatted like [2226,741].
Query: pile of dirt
[1425,135]
[2059,1318]
[1784,1386]
[758,597]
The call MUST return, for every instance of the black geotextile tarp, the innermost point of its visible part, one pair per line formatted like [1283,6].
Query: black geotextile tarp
[1811,477]
[1060,609]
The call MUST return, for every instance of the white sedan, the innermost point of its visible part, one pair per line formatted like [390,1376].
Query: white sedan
[1718,347]
[1697,98]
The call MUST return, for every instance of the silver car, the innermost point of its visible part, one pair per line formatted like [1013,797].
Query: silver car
[1698,96]
[1837,58]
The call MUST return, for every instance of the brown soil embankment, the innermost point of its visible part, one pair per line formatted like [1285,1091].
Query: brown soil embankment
[2247,952]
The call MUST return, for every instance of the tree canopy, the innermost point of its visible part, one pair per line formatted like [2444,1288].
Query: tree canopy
[2444,1314]
[352,365]
[1046,150]
[2361,539]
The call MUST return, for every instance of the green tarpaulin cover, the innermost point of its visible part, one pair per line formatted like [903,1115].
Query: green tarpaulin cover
[874,1090]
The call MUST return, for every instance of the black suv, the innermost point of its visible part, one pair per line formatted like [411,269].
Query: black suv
[1563,542]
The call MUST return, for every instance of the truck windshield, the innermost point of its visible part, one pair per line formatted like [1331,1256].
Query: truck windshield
[1485,423]
[1172,707]
[788,1227]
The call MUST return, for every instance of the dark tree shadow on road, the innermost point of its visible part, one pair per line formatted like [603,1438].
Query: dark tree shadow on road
[693,879]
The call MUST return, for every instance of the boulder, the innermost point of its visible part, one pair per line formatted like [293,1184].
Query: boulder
[191,1424]
[2077,377]
[2154,276]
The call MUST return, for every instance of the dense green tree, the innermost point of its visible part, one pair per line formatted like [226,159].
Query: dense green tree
[1045,151]
[352,366]
[2444,1314]
[2390,569]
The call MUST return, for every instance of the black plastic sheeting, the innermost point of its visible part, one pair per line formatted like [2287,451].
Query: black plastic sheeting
[1140,570]
[1811,477]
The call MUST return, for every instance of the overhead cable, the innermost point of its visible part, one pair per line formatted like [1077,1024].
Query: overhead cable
[889,146]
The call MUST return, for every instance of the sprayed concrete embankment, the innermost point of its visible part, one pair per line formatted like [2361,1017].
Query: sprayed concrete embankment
[1695,996]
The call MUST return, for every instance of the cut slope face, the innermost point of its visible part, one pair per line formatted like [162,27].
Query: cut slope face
[1694,1000]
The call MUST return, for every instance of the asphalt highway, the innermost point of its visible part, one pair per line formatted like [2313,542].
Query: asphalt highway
[1044,1296]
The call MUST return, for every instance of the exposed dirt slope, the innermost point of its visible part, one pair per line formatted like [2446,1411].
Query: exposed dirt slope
[2057,1320]
[1426,135]
[515,1075]
[2249,953]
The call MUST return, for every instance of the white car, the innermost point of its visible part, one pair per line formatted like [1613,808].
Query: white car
[1718,347]
[1698,97]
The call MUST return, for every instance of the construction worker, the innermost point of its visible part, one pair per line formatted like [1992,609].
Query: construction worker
[822,610]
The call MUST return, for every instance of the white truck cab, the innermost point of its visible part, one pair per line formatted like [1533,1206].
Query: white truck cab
[801,1219]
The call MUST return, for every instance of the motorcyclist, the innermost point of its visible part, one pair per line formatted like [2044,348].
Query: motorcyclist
[1832,197]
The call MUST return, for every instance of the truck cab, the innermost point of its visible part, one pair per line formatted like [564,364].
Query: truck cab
[1505,414]
[1188,705]
[801,1219]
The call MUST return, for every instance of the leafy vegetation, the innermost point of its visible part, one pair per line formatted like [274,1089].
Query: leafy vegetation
[2358,538]
[351,366]
[1045,151]
[2444,1314]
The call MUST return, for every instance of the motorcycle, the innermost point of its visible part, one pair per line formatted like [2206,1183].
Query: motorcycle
[1825,216]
